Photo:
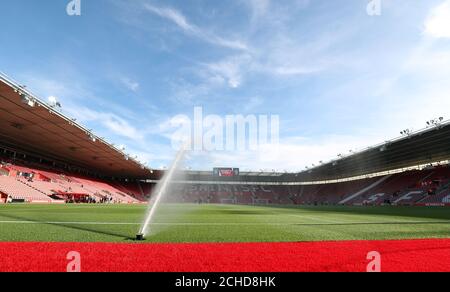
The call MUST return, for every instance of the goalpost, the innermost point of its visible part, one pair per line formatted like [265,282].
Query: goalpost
[261,202]
[228,201]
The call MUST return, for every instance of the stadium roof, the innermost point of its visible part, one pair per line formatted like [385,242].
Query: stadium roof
[32,126]
[426,146]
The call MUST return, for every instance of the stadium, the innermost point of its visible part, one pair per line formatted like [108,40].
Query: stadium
[59,175]
[72,200]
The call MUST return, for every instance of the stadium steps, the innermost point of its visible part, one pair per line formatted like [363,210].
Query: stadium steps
[442,197]
[410,197]
[19,190]
[134,191]
[34,188]
[441,193]
[141,190]
[359,193]
[414,196]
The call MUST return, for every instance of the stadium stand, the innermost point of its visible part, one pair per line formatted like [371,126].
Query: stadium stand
[21,183]
[425,187]
[60,161]
[18,190]
[429,187]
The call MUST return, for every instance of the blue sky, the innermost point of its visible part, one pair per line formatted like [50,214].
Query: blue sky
[338,78]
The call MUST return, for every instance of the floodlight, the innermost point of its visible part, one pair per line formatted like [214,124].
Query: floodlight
[31,103]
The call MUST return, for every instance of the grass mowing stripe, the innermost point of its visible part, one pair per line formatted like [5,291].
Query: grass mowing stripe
[229,223]
[220,223]
[64,222]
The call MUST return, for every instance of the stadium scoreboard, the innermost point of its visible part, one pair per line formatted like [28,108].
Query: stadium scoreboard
[226,172]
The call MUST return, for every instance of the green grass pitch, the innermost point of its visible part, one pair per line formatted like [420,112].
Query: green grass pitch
[220,223]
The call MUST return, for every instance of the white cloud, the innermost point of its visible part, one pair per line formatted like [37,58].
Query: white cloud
[437,24]
[282,56]
[181,21]
[229,72]
[110,121]
[130,84]
[286,71]
[287,54]
[259,8]
[173,15]
[186,92]
[231,69]
[252,103]
[292,154]
[265,13]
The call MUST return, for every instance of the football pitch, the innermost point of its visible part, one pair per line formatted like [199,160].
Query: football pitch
[189,223]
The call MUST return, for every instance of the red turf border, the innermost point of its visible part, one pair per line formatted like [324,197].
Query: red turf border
[401,255]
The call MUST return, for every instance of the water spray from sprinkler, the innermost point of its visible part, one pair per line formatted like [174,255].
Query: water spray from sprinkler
[161,190]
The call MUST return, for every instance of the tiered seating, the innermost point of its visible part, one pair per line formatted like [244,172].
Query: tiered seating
[74,188]
[132,189]
[442,198]
[406,188]
[97,189]
[329,193]
[409,197]
[430,186]
[214,198]
[43,185]
[47,188]
[397,188]
[242,198]
[239,194]
[439,193]
[51,176]
[20,191]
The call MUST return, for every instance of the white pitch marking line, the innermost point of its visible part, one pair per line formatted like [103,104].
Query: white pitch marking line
[71,223]
[224,224]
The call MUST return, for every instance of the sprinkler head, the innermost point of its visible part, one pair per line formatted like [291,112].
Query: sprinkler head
[140,237]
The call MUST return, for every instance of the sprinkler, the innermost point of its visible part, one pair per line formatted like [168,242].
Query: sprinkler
[161,191]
